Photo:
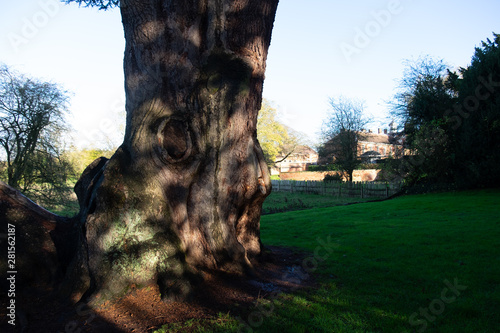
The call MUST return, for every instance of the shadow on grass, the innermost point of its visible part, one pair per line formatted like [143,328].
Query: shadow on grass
[216,302]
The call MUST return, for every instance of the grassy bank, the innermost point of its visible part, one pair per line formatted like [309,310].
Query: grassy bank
[424,263]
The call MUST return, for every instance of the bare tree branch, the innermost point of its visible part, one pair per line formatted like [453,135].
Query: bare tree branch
[341,133]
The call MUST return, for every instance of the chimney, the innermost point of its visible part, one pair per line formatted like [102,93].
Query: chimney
[385,131]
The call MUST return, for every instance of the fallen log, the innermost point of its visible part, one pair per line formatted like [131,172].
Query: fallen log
[34,243]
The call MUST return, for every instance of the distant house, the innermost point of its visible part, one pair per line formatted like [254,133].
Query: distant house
[375,146]
[299,160]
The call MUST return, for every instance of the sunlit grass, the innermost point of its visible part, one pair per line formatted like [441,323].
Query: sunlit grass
[392,259]
[388,267]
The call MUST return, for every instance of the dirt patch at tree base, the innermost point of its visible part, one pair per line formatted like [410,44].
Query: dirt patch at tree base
[142,310]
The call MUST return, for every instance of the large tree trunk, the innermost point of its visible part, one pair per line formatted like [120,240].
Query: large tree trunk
[184,191]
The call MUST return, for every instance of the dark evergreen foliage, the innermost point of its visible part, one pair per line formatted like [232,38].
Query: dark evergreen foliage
[101,4]
[477,117]
[451,120]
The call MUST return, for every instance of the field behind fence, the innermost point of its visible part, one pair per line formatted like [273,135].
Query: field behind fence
[339,189]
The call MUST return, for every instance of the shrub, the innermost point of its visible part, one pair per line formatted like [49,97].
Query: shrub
[326,167]
[332,177]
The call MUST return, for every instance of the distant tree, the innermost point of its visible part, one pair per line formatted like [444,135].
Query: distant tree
[341,132]
[277,140]
[270,132]
[32,122]
[81,158]
[424,94]
[293,141]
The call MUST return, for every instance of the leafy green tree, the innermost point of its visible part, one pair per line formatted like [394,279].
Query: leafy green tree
[32,123]
[81,158]
[451,120]
[475,118]
[277,140]
[425,93]
[270,132]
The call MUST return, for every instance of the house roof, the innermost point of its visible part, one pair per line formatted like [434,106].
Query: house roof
[304,150]
[299,150]
[375,138]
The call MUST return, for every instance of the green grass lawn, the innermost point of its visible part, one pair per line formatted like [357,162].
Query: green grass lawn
[424,263]
[391,264]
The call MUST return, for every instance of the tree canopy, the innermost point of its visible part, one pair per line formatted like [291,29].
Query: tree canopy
[32,122]
[275,138]
[475,117]
[423,93]
[450,120]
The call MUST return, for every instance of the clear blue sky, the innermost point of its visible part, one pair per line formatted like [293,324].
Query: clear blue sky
[320,49]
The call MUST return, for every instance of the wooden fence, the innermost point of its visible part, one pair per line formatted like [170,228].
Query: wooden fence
[339,189]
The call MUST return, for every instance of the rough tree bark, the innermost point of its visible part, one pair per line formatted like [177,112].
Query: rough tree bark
[185,189]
